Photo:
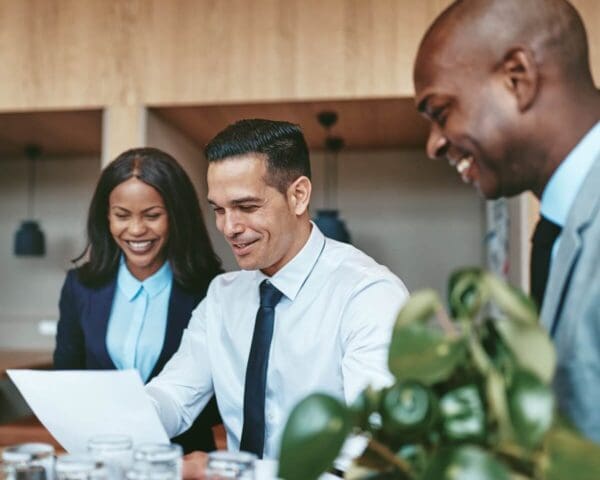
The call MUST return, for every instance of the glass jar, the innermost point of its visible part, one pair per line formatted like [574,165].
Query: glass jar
[115,451]
[224,465]
[29,461]
[80,467]
[149,471]
[162,457]
[7,472]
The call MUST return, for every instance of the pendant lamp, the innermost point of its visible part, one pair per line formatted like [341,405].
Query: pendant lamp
[29,239]
[328,219]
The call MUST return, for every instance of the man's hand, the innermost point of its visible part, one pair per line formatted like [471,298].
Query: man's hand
[194,465]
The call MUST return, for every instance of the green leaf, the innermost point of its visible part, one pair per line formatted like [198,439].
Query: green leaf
[419,307]
[313,437]
[481,360]
[531,408]
[463,416]
[498,406]
[500,355]
[423,353]
[571,457]
[466,292]
[366,403]
[465,463]
[408,410]
[531,347]
[514,303]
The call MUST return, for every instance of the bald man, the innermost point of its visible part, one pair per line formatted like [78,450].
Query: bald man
[509,93]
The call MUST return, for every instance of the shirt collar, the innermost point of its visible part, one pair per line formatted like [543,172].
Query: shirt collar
[154,284]
[559,195]
[291,277]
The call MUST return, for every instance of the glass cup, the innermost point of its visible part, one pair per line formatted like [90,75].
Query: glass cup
[149,471]
[224,465]
[7,472]
[115,451]
[160,457]
[29,461]
[79,467]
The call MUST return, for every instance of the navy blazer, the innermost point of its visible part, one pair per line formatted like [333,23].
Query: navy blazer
[81,342]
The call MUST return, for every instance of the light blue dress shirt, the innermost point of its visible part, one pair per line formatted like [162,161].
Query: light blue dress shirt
[331,334]
[138,319]
[559,195]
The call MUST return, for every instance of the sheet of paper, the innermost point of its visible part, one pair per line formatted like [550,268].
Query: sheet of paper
[75,405]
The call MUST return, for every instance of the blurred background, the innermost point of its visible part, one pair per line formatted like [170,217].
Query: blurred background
[83,80]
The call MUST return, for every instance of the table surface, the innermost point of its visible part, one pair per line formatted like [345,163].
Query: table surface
[34,359]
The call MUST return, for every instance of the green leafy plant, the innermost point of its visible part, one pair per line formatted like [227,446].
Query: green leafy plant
[472,398]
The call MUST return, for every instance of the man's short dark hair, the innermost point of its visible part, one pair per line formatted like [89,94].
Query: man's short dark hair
[282,143]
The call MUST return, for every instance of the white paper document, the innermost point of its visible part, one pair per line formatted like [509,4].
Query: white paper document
[75,405]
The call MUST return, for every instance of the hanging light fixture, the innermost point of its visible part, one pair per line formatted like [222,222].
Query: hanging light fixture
[327,219]
[29,239]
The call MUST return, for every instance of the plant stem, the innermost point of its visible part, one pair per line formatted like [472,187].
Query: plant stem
[445,322]
[385,453]
[518,461]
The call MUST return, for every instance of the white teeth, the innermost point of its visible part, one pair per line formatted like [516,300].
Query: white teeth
[464,164]
[139,245]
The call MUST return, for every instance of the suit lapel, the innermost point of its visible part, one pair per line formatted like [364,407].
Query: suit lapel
[181,305]
[571,242]
[99,309]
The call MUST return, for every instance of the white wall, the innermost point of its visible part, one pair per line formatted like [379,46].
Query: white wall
[30,286]
[408,212]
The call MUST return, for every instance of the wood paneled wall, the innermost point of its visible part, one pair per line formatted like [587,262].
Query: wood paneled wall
[91,53]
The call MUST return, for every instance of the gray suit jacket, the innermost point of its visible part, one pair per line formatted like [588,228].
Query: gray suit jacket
[571,309]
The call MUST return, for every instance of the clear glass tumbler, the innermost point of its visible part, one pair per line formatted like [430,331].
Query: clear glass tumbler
[225,465]
[115,451]
[80,467]
[29,461]
[7,472]
[149,471]
[163,457]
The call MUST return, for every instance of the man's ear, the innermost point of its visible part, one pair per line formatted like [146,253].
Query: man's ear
[298,194]
[521,76]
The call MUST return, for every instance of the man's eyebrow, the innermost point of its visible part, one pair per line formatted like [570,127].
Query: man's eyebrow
[249,199]
[238,201]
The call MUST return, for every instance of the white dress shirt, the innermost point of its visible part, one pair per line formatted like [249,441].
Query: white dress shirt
[331,334]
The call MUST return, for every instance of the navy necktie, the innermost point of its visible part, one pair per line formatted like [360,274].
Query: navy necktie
[253,432]
[542,242]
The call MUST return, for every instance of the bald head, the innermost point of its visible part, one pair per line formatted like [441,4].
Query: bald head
[498,79]
[486,30]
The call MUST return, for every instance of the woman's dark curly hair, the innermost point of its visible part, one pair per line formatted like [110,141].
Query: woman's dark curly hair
[189,251]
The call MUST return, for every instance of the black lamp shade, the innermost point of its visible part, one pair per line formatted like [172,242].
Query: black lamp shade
[29,240]
[332,225]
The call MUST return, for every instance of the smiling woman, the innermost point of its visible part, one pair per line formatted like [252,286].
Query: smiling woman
[139,224]
[147,265]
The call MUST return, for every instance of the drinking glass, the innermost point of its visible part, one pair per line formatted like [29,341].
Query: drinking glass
[225,465]
[150,471]
[115,451]
[7,472]
[162,457]
[29,461]
[80,467]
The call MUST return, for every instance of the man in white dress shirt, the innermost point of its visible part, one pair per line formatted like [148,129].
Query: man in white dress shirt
[330,323]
